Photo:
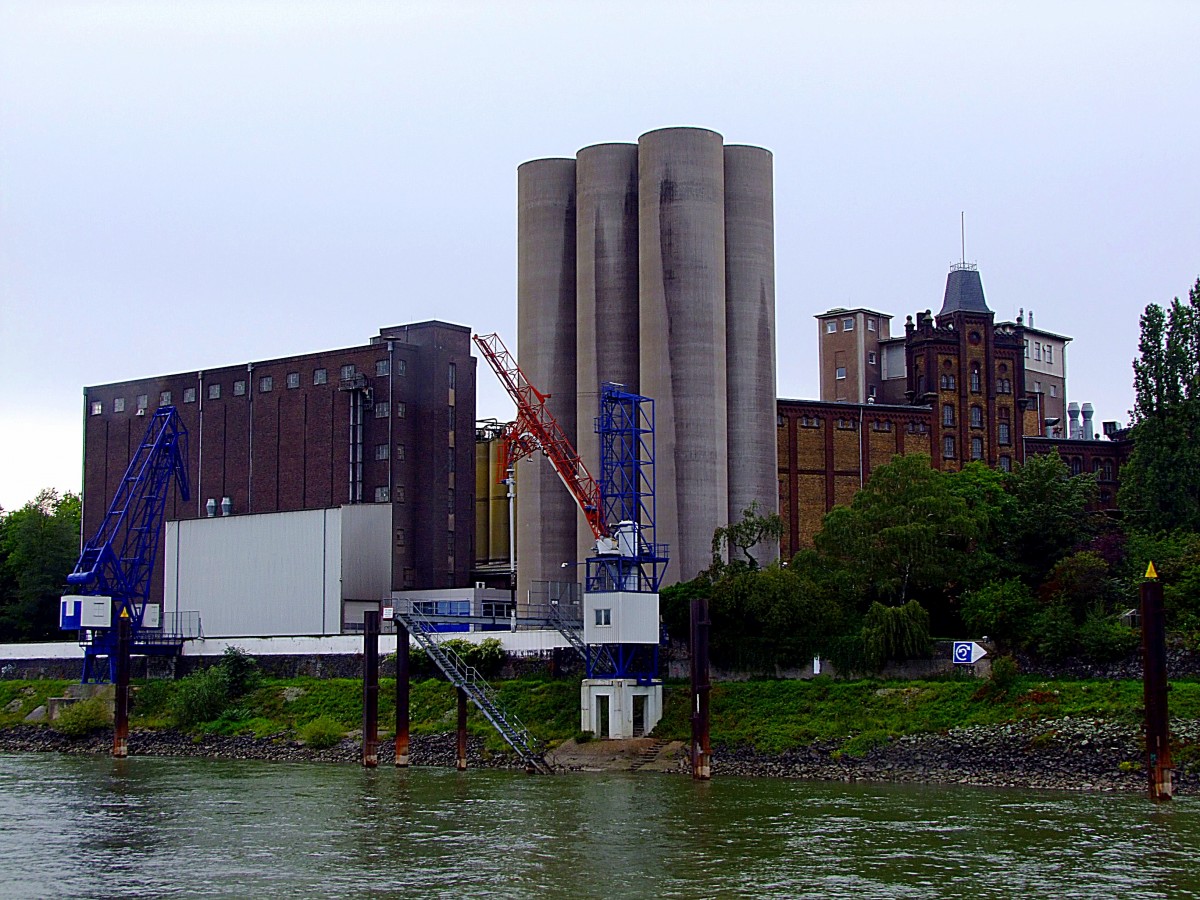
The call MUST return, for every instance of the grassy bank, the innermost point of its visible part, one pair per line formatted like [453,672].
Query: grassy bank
[769,716]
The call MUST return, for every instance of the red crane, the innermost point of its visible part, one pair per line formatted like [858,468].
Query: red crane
[535,428]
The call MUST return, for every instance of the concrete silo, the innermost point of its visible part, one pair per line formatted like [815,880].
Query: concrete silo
[546,351]
[681,249]
[750,334]
[606,300]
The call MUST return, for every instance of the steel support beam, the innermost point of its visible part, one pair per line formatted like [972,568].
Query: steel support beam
[370,722]
[1154,679]
[121,710]
[460,761]
[402,692]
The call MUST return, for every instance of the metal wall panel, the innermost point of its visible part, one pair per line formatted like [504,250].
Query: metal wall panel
[366,551]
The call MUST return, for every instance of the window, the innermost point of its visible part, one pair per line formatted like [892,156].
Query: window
[452,419]
[1037,350]
[976,382]
[871,357]
[450,460]
[881,426]
[320,376]
[164,398]
[871,391]
[948,414]
[1027,349]
[603,616]
[189,395]
[143,400]
[119,404]
[840,374]
[97,408]
[976,448]
[948,383]
[1076,465]
[381,494]
[293,380]
[1004,434]
[831,326]
[847,324]
[1003,386]
[870,324]
[400,451]
[976,417]
[401,367]
[1037,387]
[347,373]
[400,538]
[1006,464]
[381,451]
[780,421]
[401,495]
[450,500]
[917,428]
[847,424]
[239,388]
[382,411]
[401,409]
[948,447]
[451,375]
[810,422]
[382,368]
[266,384]
[214,392]
[1106,473]
[1049,354]
[1054,390]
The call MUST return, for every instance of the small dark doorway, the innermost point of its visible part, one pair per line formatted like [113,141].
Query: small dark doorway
[639,715]
[602,715]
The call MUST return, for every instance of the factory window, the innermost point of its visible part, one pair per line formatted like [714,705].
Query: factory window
[871,357]
[1037,387]
[847,424]
[401,409]
[976,417]
[976,381]
[451,374]
[400,449]
[1049,354]
[948,447]
[451,418]
[382,367]
[401,495]
[320,376]
[347,373]
[189,395]
[810,422]
[401,367]
[119,404]
[401,540]
[266,384]
[381,494]
[603,616]
[1076,466]
[1054,390]
[450,500]
[948,383]
[840,374]
[293,380]
[450,460]
[97,407]
[871,392]
[881,426]
[847,324]
[143,400]
[917,427]
[976,448]
[831,326]
[870,324]
[382,410]
[1027,349]
[1106,473]
[381,451]
[164,398]
[780,421]
[1003,434]
[948,414]
[1003,386]
[214,392]
[1037,350]
[1006,464]
[239,388]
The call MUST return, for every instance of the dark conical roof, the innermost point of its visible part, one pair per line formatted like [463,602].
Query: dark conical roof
[964,292]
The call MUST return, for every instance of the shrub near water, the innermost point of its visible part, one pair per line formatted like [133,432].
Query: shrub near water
[83,718]
[321,733]
[200,697]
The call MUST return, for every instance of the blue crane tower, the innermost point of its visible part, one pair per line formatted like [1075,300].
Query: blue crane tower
[114,569]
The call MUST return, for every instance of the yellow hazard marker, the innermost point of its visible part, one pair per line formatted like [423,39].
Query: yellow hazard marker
[1150,571]
[125,612]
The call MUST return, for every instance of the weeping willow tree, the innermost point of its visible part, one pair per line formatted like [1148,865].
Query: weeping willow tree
[906,536]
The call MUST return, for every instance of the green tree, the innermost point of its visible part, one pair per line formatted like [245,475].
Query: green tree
[40,544]
[1049,516]
[741,537]
[1160,484]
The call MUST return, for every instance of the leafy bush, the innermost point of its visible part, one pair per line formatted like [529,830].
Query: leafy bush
[1001,610]
[583,737]
[153,698]
[895,632]
[322,733]
[1055,635]
[1104,639]
[83,717]
[201,697]
[241,670]
[1001,681]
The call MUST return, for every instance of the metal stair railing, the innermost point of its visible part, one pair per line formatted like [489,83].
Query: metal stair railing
[467,678]
[596,656]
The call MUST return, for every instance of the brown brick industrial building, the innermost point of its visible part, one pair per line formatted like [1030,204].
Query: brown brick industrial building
[376,423]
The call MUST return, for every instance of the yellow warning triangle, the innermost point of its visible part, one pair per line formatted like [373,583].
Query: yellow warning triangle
[125,612]
[1150,572]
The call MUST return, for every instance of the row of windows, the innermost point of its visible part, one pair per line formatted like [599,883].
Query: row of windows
[831,325]
[1040,351]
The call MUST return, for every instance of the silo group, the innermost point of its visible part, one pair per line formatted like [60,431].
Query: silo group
[651,265]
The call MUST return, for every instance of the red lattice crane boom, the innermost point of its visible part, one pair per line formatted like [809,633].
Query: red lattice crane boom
[535,428]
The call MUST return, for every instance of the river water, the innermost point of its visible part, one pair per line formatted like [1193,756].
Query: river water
[77,826]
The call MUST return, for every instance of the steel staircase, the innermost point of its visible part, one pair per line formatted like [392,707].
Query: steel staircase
[467,678]
[597,655]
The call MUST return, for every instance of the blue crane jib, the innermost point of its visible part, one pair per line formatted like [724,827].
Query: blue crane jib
[113,573]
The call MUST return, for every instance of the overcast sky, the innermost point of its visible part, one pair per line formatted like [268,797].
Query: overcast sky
[186,185]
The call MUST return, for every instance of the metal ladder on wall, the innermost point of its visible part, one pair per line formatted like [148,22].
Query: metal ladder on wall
[467,678]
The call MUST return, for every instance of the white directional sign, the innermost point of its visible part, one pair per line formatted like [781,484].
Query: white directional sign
[967,652]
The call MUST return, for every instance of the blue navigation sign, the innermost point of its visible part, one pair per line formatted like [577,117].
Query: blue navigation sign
[967,653]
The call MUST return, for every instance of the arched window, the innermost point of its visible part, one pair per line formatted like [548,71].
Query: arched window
[976,417]
[976,448]
[948,414]
[976,381]
[948,447]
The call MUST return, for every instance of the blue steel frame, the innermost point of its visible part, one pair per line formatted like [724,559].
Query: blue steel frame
[626,429]
[119,560]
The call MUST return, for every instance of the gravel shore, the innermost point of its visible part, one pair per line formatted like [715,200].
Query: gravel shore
[1072,754]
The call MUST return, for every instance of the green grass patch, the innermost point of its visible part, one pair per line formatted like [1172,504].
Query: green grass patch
[26,696]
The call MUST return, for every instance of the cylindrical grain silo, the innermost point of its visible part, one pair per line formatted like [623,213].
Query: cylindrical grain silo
[498,536]
[547,515]
[606,297]
[750,334]
[483,553]
[681,249]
